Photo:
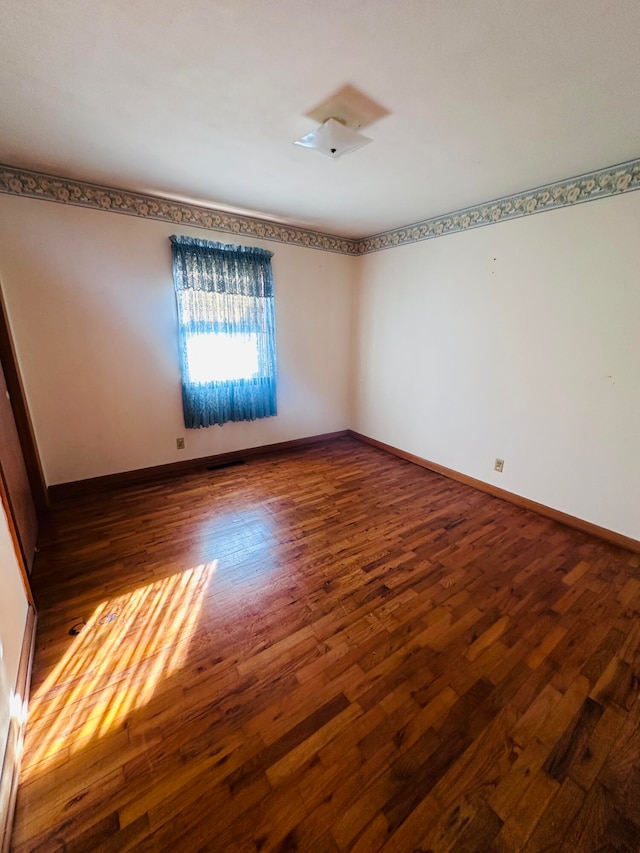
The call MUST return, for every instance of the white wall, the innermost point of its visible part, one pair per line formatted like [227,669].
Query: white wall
[520,340]
[91,304]
[13,619]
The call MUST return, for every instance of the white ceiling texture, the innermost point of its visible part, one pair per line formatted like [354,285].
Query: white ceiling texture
[201,100]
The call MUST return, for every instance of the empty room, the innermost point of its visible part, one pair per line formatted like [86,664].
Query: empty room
[319,418]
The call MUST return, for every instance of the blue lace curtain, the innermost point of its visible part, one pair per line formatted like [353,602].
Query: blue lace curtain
[226,331]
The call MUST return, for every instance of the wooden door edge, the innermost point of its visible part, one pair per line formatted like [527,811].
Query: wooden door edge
[10,773]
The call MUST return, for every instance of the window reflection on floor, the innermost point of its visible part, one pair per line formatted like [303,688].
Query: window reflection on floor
[128,645]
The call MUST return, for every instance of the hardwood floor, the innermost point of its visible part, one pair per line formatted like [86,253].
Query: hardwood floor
[328,650]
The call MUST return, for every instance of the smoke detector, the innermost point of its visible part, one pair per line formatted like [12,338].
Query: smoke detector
[333,139]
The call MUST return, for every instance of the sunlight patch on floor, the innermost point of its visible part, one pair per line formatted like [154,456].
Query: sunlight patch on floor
[128,645]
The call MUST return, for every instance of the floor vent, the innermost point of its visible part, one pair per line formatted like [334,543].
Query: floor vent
[230,464]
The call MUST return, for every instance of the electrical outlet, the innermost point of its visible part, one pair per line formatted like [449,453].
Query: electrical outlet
[499,466]
[180,443]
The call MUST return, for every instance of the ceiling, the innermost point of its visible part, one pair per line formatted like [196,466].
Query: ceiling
[201,100]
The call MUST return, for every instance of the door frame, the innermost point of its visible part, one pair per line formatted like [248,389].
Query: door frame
[11,760]
[22,417]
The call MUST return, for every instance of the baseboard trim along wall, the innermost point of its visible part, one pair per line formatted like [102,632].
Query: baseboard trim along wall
[556,515]
[141,476]
[10,772]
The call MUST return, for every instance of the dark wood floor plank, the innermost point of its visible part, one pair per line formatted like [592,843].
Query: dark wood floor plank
[588,826]
[554,823]
[329,649]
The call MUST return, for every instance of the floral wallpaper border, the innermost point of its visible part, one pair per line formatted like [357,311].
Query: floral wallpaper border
[612,180]
[80,193]
[603,183]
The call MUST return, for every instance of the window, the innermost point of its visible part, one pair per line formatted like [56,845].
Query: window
[226,331]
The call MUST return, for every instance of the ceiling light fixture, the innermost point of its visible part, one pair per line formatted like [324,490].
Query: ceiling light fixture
[333,139]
